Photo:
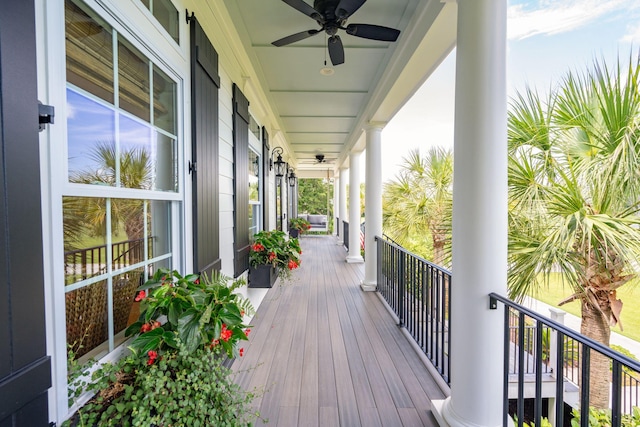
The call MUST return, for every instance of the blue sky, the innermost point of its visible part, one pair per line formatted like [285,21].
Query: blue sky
[546,38]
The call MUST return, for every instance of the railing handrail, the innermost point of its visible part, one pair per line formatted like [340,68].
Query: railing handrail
[419,258]
[601,348]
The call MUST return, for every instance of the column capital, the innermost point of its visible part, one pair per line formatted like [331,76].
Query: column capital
[374,125]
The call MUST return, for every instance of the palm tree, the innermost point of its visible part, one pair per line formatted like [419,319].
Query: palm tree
[133,170]
[418,202]
[574,196]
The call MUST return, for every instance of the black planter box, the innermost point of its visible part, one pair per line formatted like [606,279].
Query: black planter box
[293,232]
[262,276]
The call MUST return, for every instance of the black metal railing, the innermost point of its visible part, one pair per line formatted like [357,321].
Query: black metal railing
[624,387]
[84,263]
[345,237]
[419,294]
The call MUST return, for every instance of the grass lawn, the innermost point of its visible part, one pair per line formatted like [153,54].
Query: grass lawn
[629,294]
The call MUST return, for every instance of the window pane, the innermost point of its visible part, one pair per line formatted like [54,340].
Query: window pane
[84,233]
[254,220]
[133,80]
[165,159]
[254,177]
[135,154]
[167,16]
[89,52]
[164,101]
[91,141]
[159,228]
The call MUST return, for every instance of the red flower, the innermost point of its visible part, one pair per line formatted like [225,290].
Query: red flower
[247,331]
[292,265]
[225,334]
[146,327]
[241,352]
[257,247]
[153,355]
[155,324]
[272,256]
[197,281]
[141,295]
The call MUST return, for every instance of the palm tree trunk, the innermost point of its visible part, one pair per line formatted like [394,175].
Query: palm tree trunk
[596,327]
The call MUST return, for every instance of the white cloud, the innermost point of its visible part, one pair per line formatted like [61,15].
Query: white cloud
[632,35]
[553,17]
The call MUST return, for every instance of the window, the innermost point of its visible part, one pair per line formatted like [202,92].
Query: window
[255,207]
[122,187]
[167,15]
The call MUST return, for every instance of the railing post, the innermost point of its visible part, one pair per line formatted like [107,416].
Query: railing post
[558,316]
[401,290]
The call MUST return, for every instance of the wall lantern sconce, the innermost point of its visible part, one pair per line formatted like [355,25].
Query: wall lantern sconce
[278,163]
[292,178]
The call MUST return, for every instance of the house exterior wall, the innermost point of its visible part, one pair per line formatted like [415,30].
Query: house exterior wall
[139,26]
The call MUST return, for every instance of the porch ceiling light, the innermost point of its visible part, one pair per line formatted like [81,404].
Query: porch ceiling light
[327,71]
[292,178]
[278,163]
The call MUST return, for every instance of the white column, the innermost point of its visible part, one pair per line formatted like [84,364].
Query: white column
[354,209]
[373,204]
[479,217]
[343,201]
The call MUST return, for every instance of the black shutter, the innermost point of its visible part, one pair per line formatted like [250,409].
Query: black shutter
[240,181]
[265,179]
[205,83]
[25,368]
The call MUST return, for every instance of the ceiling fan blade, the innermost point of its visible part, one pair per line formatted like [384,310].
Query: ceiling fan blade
[305,8]
[336,50]
[295,37]
[346,8]
[373,32]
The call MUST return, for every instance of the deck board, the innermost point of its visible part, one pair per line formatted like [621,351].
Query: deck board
[325,353]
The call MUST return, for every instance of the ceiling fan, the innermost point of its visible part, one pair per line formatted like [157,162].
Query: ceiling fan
[332,16]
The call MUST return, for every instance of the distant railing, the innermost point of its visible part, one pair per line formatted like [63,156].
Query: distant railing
[345,237]
[419,293]
[84,263]
[575,362]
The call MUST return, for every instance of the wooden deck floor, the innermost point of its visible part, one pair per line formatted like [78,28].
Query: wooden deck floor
[328,354]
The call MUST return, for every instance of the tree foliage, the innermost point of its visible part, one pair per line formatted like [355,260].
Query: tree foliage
[574,195]
[313,194]
[417,204]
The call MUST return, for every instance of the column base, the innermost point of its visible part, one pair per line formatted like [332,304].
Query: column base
[369,287]
[444,415]
[355,259]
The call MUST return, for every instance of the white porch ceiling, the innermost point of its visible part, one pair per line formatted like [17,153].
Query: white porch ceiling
[317,114]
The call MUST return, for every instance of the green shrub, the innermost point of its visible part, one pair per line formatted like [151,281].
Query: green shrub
[182,389]
[602,418]
[174,375]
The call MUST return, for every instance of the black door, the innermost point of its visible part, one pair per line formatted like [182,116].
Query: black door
[25,368]
[205,83]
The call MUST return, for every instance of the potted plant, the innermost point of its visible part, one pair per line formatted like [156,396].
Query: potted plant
[272,255]
[186,327]
[298,226]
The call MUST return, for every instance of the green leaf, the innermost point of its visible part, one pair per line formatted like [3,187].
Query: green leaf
[148,341]
[175,310]
[230,314]
[189,329]
[133,329]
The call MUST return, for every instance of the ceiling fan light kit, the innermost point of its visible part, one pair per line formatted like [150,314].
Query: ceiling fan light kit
[332,16]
